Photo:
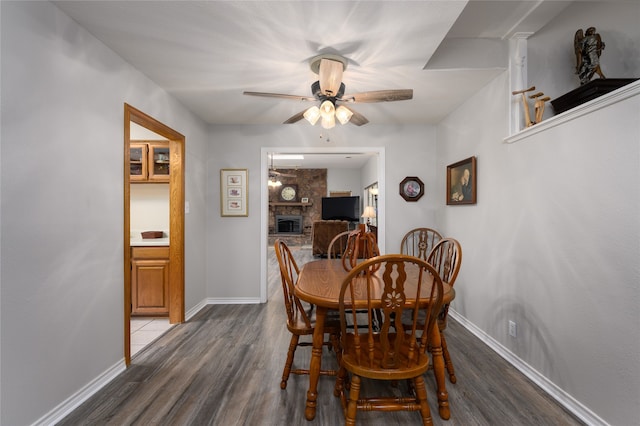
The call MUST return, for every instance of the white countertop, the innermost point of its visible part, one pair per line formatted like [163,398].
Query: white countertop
[137,240]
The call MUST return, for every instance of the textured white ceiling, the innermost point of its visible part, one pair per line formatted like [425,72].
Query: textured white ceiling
[206,53]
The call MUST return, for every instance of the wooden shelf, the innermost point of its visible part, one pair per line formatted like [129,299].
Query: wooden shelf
[291,204]
[600,102]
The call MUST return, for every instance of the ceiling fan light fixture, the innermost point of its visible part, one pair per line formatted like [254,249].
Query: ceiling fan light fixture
[327,109]
[328,122]
[274,183]
[312,115]
[343,114]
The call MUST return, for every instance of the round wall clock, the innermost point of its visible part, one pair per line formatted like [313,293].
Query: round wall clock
[288,192]
[411,188]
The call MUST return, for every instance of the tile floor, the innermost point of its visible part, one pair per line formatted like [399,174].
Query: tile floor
[145,330]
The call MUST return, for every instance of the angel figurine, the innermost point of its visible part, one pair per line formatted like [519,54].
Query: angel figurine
[588,47]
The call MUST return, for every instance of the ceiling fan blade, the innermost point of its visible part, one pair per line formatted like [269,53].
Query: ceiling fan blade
[357,118]
[276,173]
[294,119]
[330,76]
[280,95]
[380,96]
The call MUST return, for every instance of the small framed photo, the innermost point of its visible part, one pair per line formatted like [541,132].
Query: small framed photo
[234,192]
[304,200]
[411,188]
[462,182]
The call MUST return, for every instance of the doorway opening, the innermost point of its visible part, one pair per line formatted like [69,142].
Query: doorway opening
[266,156]
[175,270]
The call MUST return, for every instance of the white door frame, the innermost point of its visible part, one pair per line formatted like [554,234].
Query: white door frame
[264,197]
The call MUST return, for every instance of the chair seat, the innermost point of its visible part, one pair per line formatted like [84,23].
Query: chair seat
[374,369]
[442,323]
[298,326]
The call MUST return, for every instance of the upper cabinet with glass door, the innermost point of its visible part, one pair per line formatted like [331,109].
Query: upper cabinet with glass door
[149,161]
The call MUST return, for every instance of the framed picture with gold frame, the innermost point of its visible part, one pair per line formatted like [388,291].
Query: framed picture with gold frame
[234,197]
[462,182]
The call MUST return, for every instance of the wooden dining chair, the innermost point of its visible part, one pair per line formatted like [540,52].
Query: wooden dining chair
[361,244]
[338,245]
[299,321]
[396,352]
[419,242]
[446,258]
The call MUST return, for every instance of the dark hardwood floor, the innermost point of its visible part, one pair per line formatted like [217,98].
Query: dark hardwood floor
[223,367]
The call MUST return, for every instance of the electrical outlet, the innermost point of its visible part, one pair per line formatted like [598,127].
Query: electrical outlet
[512,329]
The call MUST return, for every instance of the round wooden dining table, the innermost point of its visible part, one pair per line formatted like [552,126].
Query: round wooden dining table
[319,283]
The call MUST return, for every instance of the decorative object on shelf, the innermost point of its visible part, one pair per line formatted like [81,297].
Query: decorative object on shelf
[411,188]
[369,212]
[304,200]
[462,182]
[525,105]
[540,100]
[289,193]
[588,92]
[234,192]
[588,47]
[539,105]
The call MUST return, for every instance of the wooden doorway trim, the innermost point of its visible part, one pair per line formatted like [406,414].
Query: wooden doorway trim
[176,221]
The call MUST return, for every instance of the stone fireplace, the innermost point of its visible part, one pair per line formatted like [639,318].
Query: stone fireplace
[289,224]
[312,186]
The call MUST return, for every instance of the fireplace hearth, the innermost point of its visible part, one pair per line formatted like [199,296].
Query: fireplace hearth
[289,224]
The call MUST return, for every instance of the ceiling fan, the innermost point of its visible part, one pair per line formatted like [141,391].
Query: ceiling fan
[274,175]
[329,91]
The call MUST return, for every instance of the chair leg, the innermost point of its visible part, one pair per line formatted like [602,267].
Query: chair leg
[334,339]
[287,365]
[421,397]
[352,406]
[447,360]
[339,389]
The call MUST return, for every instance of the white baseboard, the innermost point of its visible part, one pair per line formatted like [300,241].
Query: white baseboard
[220,301]
[233,301]
[562,397]
[74,401]
[193,311]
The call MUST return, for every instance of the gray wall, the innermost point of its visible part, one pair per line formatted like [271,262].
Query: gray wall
[240,147]
[554,240]
[61,311]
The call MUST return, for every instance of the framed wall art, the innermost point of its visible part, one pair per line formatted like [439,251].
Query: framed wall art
[234,192]
[411,188]
[462,182]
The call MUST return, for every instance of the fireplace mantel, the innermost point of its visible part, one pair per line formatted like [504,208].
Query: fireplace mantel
[291,204]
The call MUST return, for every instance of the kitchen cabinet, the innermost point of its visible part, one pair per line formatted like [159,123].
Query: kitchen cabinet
[150,281]
[149,161]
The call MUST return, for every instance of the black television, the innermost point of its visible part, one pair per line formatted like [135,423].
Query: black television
[341,208]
